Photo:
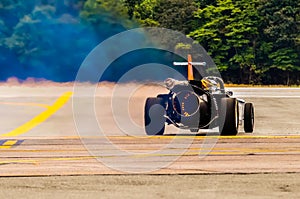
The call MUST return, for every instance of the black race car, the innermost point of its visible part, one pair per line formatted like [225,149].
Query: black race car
[198,104]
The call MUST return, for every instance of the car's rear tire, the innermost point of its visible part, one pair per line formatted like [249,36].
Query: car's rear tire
[154,116]
[248,118]
[231,117]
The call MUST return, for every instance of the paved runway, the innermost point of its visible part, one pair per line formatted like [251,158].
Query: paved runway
[39,135]
[67,156]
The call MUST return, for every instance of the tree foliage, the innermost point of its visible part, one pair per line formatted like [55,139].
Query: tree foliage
[281,31]
[171,14]
[251,41]
[45,39]
[231,36]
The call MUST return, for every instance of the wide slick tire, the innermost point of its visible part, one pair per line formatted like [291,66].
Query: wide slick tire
[248,118]
[231,117]
[154,116]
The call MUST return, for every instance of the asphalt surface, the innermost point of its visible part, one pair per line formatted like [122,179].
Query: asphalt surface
[118,111]
[160,155]
[59,131]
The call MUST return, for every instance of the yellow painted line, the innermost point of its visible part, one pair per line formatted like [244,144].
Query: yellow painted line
[8,144]
[222,137]
[82,158]
[134,150]
[131,150]
[219,151]
[189,136]
[25,104]
[60,102]
[32,161]
[174,137]
[167,137]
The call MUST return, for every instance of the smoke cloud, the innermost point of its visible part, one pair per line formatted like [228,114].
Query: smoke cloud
[49,39]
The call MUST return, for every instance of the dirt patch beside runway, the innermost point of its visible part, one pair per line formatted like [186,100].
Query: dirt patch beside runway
[154,186]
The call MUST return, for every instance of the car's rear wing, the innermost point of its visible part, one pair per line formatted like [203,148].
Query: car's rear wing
[190,65]
[186,63]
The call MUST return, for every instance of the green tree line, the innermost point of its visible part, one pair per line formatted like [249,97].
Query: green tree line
[251,41]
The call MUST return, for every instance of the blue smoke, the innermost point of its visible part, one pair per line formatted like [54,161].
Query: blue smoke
[46,39]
